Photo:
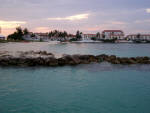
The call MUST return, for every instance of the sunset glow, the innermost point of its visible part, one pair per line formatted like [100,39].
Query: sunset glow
[72,18]
[148,10]
[73,15]
[11,24]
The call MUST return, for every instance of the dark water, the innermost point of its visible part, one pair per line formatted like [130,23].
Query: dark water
[94,88]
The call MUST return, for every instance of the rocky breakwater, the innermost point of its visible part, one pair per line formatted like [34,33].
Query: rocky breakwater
[42,58]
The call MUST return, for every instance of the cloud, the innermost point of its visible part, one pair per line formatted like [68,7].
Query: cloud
[148,10]
[106,25]
[42,29]
[11,24]
[72,18]
[117,22]
[142,21]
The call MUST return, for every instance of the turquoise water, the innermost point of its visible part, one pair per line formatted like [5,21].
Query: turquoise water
[93,88]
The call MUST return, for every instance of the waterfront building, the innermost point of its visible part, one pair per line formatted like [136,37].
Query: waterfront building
[138,36]
[88,36]
[41,35]
[30,37]
[111,34]
[2,37]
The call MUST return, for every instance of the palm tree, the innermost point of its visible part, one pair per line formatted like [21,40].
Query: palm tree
[78,35]
[25,31]
[17,35]
[103,36]
[138,36]
[98,35]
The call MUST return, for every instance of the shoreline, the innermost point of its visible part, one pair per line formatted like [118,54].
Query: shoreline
[42,58]
[82,41]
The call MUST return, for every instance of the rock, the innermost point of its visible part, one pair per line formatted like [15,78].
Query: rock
[43,52]
[126,60]
[132,61]
[61,61]
[50,54]
[51,61]
[84,59]
[4,61]
[92,58]
[42,58]
[76,59]
[116,61]
[71,59]
[31,61]
[123,60]
[146,58]
[112,57]
[102,57]
[142,60]
[88,58]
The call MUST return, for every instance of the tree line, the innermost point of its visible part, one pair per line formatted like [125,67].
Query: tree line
[20,32]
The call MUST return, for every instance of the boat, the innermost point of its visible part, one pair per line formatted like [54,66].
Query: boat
[138,41]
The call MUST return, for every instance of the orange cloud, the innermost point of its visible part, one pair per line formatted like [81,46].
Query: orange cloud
[11,24]
[8,27]
[42,29]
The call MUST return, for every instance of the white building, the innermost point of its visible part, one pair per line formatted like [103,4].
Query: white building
[2,37]
[111,34]
[88,36]
[140,36]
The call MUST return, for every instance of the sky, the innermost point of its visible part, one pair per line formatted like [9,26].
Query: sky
[88,16]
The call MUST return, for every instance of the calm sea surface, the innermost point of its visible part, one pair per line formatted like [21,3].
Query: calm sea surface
[93,88]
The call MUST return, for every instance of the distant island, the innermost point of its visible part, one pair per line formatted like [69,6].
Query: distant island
[107,36]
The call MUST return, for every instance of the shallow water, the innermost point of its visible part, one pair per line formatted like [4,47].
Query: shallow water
[93,88]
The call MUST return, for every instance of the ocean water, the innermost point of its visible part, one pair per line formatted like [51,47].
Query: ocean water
[120,49]
[92,88]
